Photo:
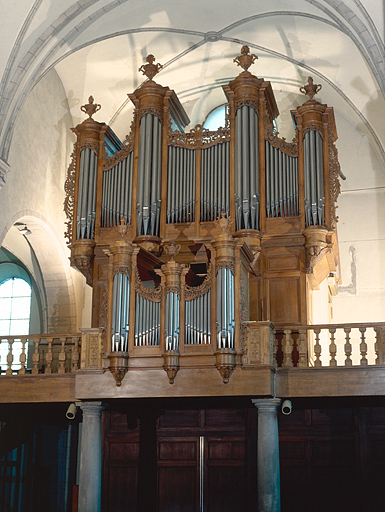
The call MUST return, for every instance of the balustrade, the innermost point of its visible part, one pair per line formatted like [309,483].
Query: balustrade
[329,345]
[39,354]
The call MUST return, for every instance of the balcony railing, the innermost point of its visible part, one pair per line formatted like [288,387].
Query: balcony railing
[39,354]
[329,345]
[323,345]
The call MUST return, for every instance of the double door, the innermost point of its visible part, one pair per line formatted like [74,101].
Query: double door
[180,461]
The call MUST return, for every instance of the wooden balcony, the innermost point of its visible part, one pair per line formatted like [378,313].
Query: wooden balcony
[292,361]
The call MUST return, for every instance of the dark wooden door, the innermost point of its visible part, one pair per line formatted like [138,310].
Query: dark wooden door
[204,460]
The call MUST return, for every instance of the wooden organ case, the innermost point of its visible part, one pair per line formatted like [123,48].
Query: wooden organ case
[190,239]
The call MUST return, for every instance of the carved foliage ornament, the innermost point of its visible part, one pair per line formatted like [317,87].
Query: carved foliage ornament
[69,201]
[146,293]
[250,103]
[198,137]
[127,147]
[225,264]
[334,182]
[193,292]
[271,135]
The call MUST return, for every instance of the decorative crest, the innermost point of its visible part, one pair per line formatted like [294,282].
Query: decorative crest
[150,69]
[91,107]
[172,249]
[245,60]
[224,222]
[310,89]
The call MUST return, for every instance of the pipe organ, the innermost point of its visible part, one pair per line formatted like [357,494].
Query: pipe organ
[186,237]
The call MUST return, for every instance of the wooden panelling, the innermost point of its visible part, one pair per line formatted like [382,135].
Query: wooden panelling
[177,489]
[285,300]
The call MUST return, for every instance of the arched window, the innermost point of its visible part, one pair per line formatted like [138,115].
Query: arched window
[15,306]
[216,118]
[15,312]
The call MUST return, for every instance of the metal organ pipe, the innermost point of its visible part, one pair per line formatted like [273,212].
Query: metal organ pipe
[198,320]
[215,178]
[246,168]
[87,194]
[149,175]
[225,308]
[314,183]
[147,325]
[120,312]
[281,183]
[181,185]
[117,193]
[172,321]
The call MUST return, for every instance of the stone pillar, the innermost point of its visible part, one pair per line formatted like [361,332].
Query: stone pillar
[269,492]
[90,469]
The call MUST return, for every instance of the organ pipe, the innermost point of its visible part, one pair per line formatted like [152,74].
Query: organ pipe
[314,183]
[198,320]
[246,168]
[149,175]
[117,193]
[172,321]
[225,308]
[281,183]
[120,312]
[87,194]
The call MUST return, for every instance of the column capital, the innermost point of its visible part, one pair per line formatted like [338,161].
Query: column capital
[90,408]
[266,404]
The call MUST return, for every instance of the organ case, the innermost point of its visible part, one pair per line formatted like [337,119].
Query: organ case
[187,236]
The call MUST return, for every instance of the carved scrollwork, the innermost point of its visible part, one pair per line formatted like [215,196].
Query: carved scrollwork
[225,264]
[154,295]
[158,112]
[317,127]
[199,137]
[122,270]
[103,316]
[69,201]
[243,315]
[193,292]
[91,145]
[127,147]
[271,135]
[250,103]
[334,182]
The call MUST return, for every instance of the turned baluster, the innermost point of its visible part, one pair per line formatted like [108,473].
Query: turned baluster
[23,357]
[363,347]
[75,353]
[332,347]
[35,357]
[287,349]
[317,348]
[49,356]
[62,356]
[348,347]
[8,371]
[275,348]
[379,344]
[302,349]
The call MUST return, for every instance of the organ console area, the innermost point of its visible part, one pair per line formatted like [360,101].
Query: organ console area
[191,239]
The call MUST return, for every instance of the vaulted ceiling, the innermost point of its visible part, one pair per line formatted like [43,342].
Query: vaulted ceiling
[97,46]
